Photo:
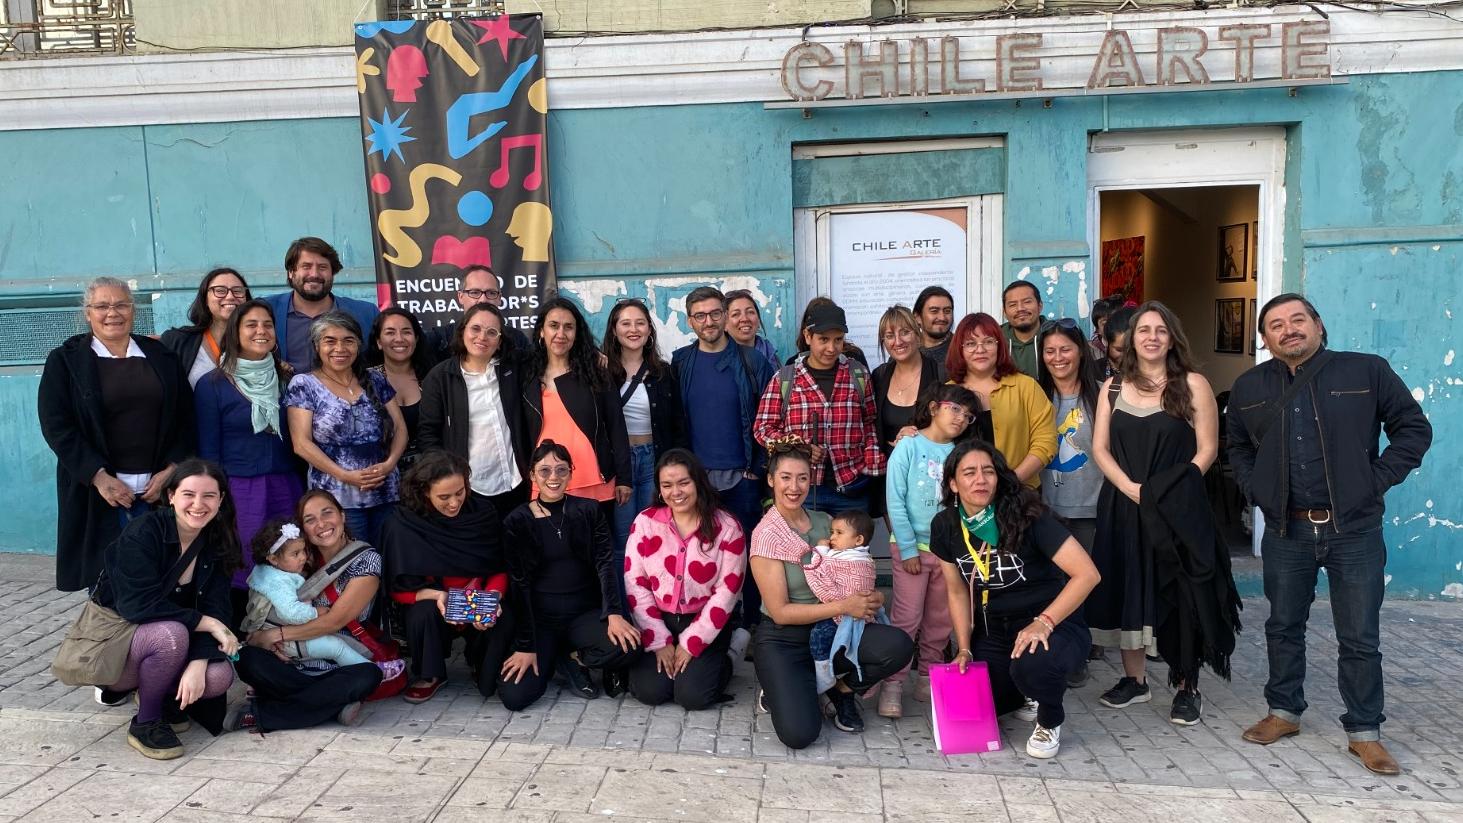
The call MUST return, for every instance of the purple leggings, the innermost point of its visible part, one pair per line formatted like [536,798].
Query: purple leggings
[155,663]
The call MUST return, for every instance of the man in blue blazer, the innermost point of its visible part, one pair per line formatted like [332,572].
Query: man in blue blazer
[311,265]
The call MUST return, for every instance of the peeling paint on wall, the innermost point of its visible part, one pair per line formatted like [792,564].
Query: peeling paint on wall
[592,294]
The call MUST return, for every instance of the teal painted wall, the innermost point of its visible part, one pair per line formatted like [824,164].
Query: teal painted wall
[650,202]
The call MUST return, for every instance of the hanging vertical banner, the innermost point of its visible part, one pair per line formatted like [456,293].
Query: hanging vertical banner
[453,114]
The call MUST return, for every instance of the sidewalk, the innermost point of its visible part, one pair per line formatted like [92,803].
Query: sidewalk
[458,757]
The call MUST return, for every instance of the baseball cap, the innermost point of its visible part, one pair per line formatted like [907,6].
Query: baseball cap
[825,317]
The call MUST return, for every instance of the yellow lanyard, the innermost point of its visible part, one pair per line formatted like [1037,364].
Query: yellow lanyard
[982,562]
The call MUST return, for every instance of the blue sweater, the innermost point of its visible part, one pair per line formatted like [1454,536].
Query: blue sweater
[915,480]
[226,431]
[363,312]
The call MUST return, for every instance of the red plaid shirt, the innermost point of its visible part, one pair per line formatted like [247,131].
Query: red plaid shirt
[843,426]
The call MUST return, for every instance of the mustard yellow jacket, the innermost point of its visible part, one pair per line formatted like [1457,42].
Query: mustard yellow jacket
[1024,423]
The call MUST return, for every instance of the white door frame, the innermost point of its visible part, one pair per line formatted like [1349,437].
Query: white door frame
[1190,158]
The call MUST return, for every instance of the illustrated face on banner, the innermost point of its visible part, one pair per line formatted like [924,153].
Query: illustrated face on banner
[453,116]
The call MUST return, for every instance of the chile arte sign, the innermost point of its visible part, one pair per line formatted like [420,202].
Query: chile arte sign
[453,115]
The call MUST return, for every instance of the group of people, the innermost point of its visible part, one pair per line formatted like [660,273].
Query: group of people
[304,484]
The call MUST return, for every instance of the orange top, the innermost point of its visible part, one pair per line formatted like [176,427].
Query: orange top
[586,481]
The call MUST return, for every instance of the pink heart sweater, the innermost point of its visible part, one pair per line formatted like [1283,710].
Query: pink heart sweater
[667,574]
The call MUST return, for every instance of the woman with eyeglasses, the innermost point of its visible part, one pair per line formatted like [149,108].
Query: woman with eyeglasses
[399,352]
[115,408]
[345,423]
[242,426]
[650,397]
[470,408]
[199,344]
[1020,422]
[568,398]
[744,323]
[564,586]
[920,609]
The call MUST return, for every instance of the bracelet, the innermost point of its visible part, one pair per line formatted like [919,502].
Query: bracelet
[1046,621]
[965,652]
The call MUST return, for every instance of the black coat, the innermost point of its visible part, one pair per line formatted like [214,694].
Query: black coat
[596,413]
[1356,397]
[589,537]
[184,341]
[442,418]
[70,407]
[931,374]
[667,416]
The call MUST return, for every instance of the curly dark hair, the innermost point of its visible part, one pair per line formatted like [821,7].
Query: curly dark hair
[429,468]
[707,502]
[220,533]
[421,357]
[266,536]
[1017,505]
[584,358]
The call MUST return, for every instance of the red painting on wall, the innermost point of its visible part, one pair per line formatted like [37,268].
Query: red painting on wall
[1122,268]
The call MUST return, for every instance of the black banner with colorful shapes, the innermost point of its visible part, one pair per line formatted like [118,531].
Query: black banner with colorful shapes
[453,113]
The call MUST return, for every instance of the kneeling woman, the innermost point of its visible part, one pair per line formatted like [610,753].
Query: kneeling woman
[1016,580]
[169,574]
[441,537]
[686,559]
[566,590]
[781,652]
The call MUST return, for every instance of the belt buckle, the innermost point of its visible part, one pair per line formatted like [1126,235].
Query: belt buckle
[1313,521]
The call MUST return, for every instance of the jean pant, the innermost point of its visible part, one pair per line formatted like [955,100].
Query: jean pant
[744,501]
[365,524]
[139,507]
[1354,566]
[642,491]
[825,498]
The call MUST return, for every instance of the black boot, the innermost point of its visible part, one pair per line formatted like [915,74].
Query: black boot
[617,682]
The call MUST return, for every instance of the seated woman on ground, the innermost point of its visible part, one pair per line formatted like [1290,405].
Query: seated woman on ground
[169,574]
[781,650]
[566,591]
[280,560]
[1016,580]
[298,694]
[442,538]
[685,563]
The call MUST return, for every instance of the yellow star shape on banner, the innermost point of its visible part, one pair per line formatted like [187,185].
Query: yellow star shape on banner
[364,69]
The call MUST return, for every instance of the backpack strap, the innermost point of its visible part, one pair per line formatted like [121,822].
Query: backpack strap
[322,578]
[1114,390]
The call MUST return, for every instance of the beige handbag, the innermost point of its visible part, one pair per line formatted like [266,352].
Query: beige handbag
[95,649]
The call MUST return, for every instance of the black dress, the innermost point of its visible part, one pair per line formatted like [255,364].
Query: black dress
[1122,610]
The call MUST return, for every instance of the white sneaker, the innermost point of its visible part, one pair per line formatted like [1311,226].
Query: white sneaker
[1027,712]
[737,649]
[1044,742]
[762,701]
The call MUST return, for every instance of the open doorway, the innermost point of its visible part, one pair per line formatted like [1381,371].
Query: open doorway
[1194,249]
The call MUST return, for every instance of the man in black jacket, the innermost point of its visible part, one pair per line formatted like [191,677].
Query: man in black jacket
[1309,459]
[479,284]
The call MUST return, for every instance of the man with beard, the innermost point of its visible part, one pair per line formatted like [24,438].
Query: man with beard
[311,265]
[1303,431]
[935,311]
[1022,305]
[479,284]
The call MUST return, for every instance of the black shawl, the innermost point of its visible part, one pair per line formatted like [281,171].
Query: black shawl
[1197,604]
[419,549]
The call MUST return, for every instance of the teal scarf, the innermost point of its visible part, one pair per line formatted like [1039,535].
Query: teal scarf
[258,381]
[982,524]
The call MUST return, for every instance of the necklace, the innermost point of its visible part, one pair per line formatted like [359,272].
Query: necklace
[347,387]
[557,527]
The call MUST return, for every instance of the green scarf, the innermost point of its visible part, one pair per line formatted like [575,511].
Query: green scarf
[258,381]
[982,524]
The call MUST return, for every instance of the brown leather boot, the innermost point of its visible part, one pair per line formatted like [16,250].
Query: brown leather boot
[1375,757]
[1270,729]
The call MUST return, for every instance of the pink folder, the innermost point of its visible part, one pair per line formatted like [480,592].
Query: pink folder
[963,713]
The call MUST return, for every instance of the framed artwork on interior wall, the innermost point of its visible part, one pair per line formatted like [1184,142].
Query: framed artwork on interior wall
[1252,326]
[1233,252]
[1255,251]
[1229,325]
[1122,268]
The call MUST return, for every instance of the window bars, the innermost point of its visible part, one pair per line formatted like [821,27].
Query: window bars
[47,28]
[433,9]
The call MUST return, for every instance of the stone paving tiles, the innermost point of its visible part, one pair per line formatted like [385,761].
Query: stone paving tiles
[458,757]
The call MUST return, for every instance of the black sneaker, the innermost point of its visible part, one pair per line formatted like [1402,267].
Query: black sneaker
[1187,706]
[846,714]
[176,718]
[1127,692]
[616,682]
[1076,679]
[156,740]
[579,679]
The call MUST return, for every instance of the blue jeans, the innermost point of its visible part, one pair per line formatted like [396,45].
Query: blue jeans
[126,514]
[365,523]
[642,491]
[1354,566]
[825,498]
[744,501]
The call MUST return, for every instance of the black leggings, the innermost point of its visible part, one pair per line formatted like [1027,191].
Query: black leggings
[1040,675]
[430,638]
[700,686]
[554,639]
[287,698]
[784,663]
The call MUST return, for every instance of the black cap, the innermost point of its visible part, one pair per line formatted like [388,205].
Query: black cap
[825,317]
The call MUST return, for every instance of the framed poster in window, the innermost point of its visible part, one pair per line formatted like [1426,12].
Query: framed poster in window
[1234,250]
